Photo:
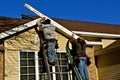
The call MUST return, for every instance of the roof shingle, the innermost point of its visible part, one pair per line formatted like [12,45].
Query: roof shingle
[9,23]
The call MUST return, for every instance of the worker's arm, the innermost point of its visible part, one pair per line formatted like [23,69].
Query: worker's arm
[39,23]
[67,46]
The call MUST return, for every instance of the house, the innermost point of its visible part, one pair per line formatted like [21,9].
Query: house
[19,55]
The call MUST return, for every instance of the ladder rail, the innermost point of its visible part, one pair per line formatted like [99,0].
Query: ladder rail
[47,65]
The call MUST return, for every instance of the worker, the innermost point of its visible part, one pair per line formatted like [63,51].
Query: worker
[78,52]
[81,54]
[49,38]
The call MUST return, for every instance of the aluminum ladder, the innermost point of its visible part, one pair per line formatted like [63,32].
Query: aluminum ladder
[53,72]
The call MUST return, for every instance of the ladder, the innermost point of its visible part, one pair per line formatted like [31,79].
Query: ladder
[70,58]
[53,72]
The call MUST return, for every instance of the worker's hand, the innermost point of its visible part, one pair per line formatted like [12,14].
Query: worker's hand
[82,38]
[42,19]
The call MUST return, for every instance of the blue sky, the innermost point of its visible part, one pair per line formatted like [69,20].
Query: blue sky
[100,11]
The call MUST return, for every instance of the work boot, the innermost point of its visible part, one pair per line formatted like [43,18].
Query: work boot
[53,63]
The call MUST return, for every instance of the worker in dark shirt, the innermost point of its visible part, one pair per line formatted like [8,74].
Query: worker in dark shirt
[81,54]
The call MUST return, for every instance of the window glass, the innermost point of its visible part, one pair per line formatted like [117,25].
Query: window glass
[23,70]
[32,77]
[23,77]
[23,62]
[31,70]
[31,62]
[30,55]
[23,54]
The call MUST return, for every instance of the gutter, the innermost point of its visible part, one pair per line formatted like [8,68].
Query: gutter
[94,34]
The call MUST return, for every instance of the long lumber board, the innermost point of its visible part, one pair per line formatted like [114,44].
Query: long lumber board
[59,27]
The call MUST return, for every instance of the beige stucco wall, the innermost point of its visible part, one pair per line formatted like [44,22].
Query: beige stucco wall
[62,42]
[25,41]
[92,69]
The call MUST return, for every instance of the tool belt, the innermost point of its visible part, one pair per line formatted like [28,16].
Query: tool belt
[81,55]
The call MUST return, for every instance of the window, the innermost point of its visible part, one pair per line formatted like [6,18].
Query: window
[27,66]
[32,66]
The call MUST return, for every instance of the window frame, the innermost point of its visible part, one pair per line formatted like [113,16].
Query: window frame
[36,62]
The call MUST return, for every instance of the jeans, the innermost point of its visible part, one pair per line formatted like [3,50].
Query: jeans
[51,51]
[82,67]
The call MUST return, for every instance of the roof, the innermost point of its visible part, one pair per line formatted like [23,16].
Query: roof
[89,26]
[9,23]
